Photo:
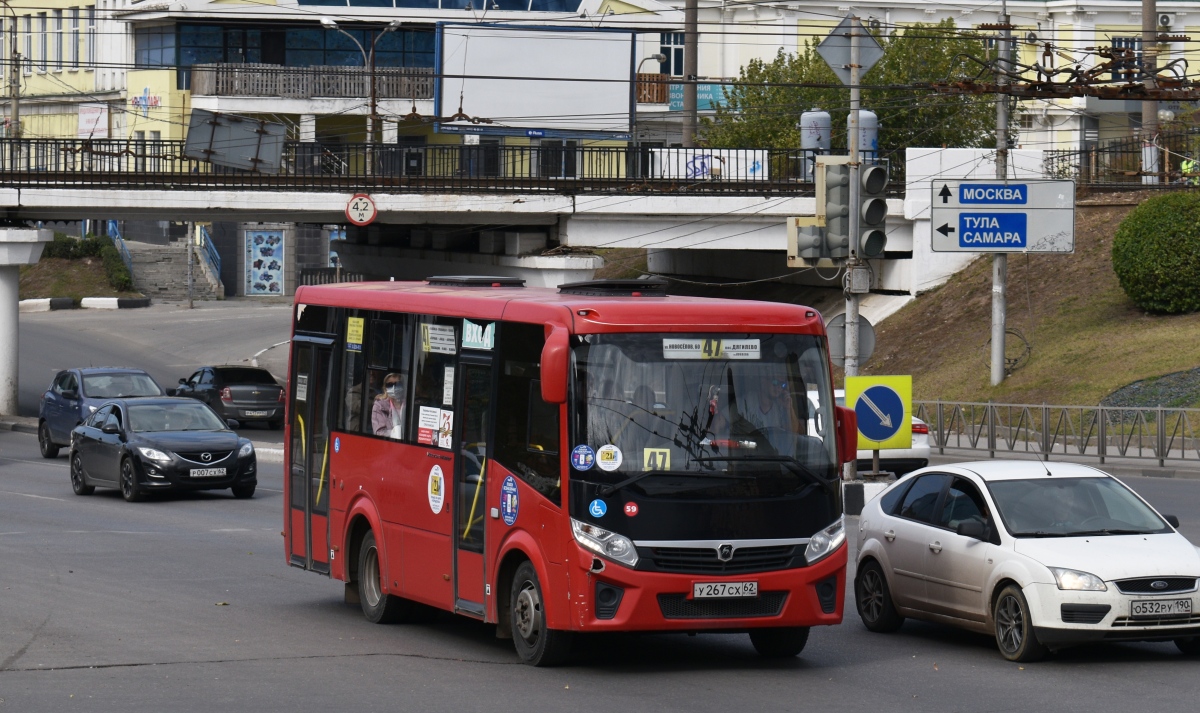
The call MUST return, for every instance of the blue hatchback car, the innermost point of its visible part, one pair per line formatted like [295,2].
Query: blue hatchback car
[76,393]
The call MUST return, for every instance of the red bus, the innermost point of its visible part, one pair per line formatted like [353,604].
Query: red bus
[600,457]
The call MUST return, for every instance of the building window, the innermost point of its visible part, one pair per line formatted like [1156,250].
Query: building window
[1127,43]
[91,37]
[43,49]
[1026,121]
[27,21]
[671,45]
[154,46]
[57,40]
[74,38]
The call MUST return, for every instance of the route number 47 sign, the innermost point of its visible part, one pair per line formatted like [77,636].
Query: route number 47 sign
[360,210]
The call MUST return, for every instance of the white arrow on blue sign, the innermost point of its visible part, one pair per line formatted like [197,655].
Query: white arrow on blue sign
[880,412]
[995,216]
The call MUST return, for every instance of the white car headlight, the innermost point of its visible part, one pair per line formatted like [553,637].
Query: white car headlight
[1078,581]
[154,454]
[247,451]
[602,542]
[825,542]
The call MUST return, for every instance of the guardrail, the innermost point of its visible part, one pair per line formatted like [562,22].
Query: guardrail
[114,234]
[1159,434]
[552,167]
[210,252]
[1118,163]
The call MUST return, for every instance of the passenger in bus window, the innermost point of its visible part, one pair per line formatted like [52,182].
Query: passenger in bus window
[387,414]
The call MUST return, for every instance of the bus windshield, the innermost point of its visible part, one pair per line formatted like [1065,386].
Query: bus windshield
[703,415]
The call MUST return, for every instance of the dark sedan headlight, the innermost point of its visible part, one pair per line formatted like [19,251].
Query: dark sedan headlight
[247,450]
[154,454]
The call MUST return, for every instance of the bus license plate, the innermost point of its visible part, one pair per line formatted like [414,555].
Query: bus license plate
[1169,607]
[724,590]
[207,472]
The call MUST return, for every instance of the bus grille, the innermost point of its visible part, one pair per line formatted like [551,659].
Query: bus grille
[678,606]
[703,560]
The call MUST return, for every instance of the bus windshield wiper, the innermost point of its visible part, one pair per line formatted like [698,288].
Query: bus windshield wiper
[789,461]
[606,490]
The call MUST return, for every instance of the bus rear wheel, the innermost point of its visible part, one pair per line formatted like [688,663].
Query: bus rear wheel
[377,607]
[780,642]
[536,643]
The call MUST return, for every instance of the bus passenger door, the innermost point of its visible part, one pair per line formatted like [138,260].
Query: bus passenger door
[311,383]
[474,440]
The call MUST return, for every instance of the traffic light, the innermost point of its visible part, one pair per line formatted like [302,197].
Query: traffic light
[873,212]
[835,178]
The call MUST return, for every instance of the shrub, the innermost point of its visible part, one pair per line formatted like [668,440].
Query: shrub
[1156,254]
[114,267]
[68,248]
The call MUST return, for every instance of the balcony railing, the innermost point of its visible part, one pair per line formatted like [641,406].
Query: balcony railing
[272,80]
[161,165]
[1117,163]
[652,88]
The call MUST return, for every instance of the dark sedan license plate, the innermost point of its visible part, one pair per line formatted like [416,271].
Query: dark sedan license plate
[724,590]
[1151,608]
[208,472]
[255,413]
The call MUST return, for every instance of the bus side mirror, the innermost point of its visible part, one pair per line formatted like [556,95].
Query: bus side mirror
[847,434]
[554,366]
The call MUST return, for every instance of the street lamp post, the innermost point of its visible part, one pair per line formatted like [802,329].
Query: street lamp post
[369,63]
[637,160]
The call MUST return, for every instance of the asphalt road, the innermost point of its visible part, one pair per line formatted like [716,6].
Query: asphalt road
[186,604]
[168,341]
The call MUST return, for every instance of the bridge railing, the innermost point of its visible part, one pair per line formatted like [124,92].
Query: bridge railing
[1101,432]
[272,80]
[552,166]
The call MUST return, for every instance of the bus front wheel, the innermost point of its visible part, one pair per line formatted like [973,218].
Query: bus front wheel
[536,643]
[378,607]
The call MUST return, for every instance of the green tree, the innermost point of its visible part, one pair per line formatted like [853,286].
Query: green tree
[762,109]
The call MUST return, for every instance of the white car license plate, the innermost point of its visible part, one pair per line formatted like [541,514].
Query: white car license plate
[207,472]
[724,590]
[255,413]
[1165,607]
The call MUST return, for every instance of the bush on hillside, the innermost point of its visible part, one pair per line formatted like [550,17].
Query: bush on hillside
[68,248]
[1156,254]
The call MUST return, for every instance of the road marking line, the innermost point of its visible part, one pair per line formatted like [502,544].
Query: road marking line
[28,495]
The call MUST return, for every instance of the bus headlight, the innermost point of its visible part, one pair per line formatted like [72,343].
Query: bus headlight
[825,542]
[602,542]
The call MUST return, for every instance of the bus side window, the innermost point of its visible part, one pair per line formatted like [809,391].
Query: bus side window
[388,360]
[435,343]
[527,428]
[353,374]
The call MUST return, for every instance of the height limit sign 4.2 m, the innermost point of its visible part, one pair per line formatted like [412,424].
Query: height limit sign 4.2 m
[1003,217]
[360,209]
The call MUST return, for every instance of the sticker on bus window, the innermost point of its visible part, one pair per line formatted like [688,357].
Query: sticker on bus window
[608,458]
[445,428]
[710,348]
[583,458]
[437,489]
[437,339]
[428,421]
[448,387]
[598,508]
[302,387]
[478,336]
[510,501]
[354,334]
[656,459]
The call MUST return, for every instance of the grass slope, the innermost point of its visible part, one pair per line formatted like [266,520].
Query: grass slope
[55,277]
[1087,339]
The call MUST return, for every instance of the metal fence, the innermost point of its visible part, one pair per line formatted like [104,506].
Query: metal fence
[1159,434]
[271,80]
[553,167]
[327,276]
[1117,163]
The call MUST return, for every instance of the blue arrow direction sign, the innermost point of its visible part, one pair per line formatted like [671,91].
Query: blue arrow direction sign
[992,230]
[880,413]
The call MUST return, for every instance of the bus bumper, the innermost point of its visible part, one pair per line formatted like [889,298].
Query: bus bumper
[621,599]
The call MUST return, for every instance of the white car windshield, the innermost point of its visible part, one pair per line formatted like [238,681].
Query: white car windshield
[1068,507]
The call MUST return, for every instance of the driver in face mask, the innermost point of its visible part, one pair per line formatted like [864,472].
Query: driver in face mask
[387,413]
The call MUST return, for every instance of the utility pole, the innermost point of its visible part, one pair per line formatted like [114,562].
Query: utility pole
[191,246]
[690,70]
[854,266]
[1150,153]
[1000,260]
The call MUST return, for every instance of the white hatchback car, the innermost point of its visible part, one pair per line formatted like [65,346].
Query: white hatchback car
[1041,555]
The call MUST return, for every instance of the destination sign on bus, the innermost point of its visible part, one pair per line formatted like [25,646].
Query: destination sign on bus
[712,348]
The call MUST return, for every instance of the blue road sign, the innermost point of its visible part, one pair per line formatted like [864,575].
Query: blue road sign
[992,230]
[993,194]
[880,413]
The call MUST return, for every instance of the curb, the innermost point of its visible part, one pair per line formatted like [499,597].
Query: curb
[25,425]
[268,455]
[48,304]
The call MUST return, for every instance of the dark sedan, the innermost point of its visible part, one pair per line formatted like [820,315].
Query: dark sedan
[246,393]
[148,445]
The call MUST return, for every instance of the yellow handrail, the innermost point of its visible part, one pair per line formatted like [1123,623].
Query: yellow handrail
[475,500]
